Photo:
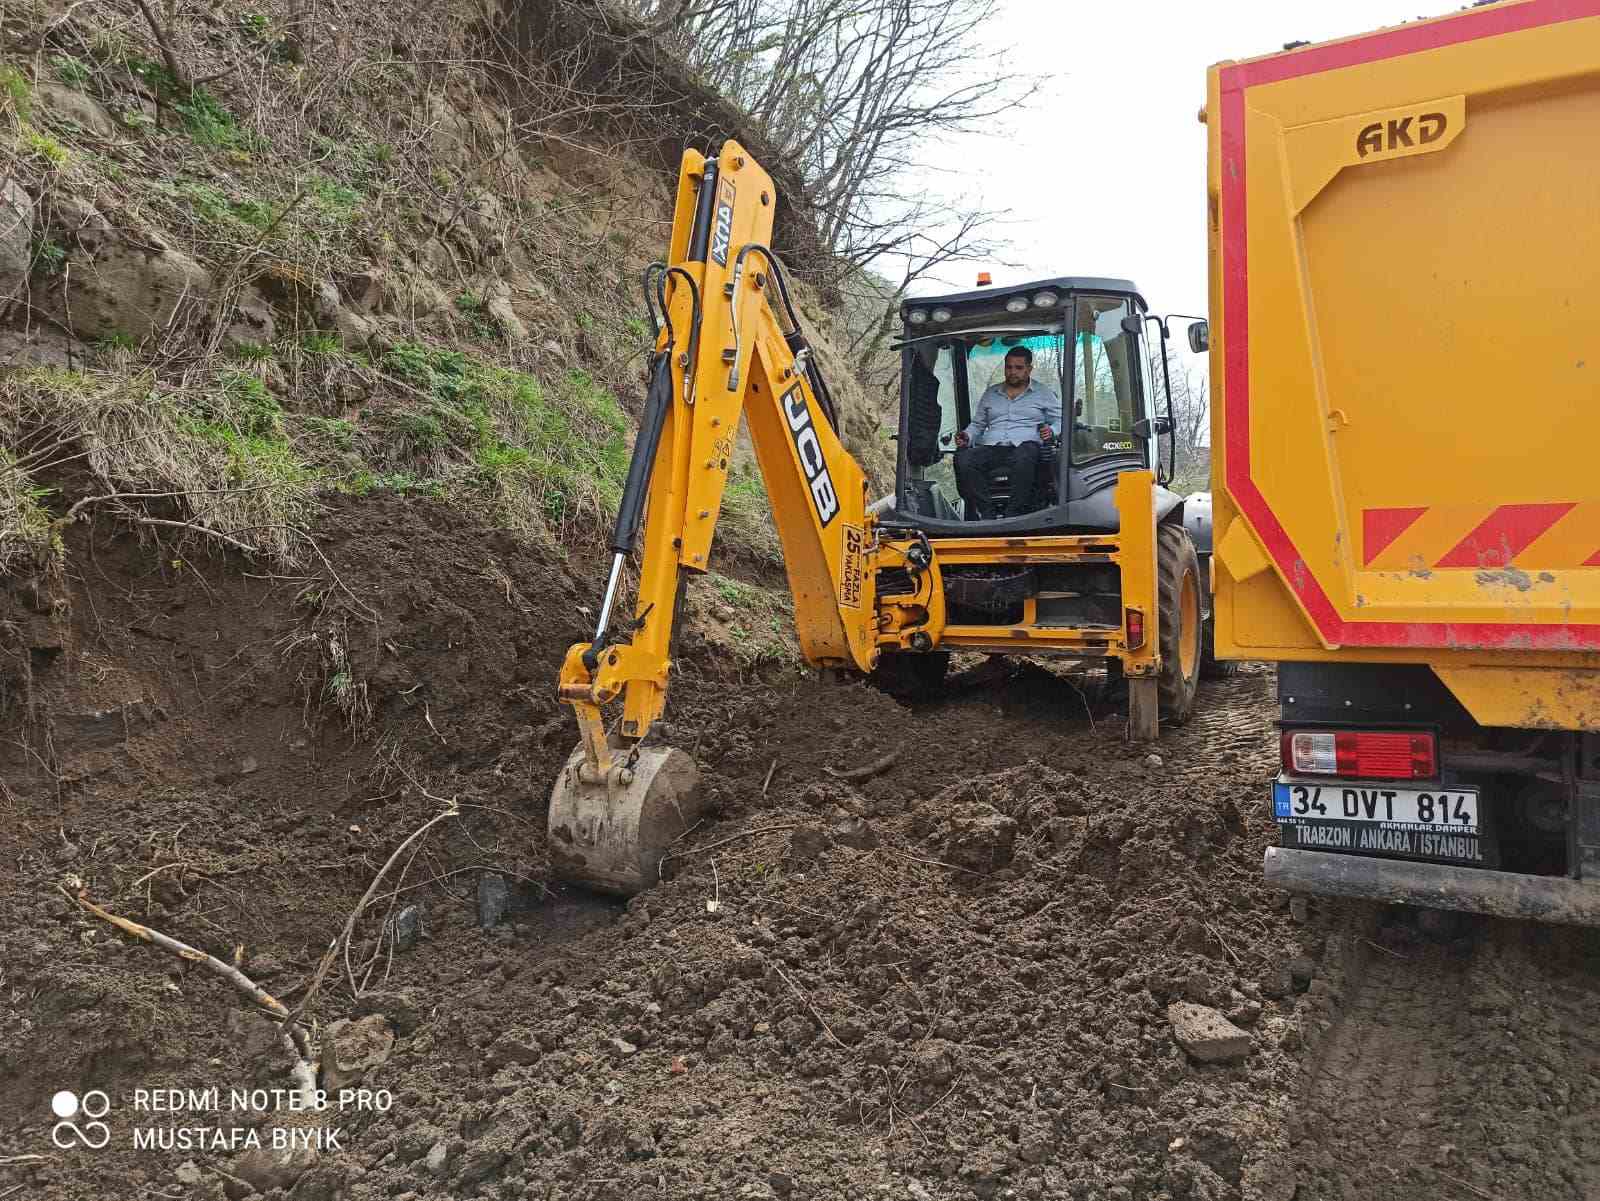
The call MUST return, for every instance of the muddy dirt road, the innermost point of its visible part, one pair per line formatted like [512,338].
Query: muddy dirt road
[1463,1062]
[953,980]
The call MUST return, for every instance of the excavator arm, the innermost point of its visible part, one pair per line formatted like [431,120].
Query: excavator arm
[721,352]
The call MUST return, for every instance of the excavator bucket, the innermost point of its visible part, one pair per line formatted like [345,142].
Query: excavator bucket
[611,834]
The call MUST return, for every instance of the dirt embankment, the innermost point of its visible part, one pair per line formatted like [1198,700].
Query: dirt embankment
[955,979]
[954,976]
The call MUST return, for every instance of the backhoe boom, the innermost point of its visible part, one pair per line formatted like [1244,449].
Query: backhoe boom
[720,354]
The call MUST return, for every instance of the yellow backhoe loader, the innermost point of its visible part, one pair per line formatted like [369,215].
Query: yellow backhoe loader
[1073,547]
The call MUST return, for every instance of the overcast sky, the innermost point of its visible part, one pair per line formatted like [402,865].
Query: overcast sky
[1105,174]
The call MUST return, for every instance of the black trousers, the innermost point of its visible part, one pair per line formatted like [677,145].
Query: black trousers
[973,465]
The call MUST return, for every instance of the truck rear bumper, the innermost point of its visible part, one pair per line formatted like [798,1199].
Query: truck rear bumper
[1436,885]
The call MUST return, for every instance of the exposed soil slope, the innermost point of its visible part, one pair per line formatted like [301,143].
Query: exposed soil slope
[951,980]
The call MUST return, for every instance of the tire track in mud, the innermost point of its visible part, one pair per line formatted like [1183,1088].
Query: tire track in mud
[1231,733]
[1460,1066]
[1373,1091]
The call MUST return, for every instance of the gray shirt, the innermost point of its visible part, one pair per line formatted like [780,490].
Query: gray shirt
[1002,419]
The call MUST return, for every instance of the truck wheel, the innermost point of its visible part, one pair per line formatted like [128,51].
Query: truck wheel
[1178,594]
[1211,667]
[909,675]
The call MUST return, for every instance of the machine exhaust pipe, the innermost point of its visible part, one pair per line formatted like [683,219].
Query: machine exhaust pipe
[1436,886]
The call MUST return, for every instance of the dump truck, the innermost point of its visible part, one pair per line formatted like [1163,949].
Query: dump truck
[1405,368]
[1030,514]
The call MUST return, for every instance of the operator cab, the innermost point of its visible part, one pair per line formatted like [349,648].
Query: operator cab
[1095,360]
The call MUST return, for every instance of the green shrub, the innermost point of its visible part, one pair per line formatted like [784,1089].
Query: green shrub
[16,92]
[335,431]
[43,147]
[254,352]
[49,257]
[549,460]
[251,409]
[69,69]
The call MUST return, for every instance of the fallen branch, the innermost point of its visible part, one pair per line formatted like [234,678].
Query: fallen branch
[860,775]
[723,842]
[806,1001]
[316,982]
[1223,944]
[294,1038]
[765,783]
[454,810]
[1471,1188]
[936,863]
[226,539]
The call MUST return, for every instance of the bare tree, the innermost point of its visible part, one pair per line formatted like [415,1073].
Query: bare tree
[856,93]
[1191,417]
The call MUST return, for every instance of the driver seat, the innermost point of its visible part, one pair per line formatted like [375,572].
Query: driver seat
[1044,483]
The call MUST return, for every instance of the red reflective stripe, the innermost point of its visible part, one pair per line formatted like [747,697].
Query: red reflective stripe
[1410,39]
[1593,560]
[1487,22]
[1503,535]
[1380,527]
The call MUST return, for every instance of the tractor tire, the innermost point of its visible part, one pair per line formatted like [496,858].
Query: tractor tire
[1178,595]
[911,675]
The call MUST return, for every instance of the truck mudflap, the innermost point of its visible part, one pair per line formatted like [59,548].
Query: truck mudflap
[1436,886]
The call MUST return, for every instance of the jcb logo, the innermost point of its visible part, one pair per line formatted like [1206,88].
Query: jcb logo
[1401,134]
[809,447]
[722,225]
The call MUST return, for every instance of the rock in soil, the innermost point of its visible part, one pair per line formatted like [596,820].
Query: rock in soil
[1206,1034]
[494,898]
[406,928]
[266,1168]
[405,1008]
[351,1049]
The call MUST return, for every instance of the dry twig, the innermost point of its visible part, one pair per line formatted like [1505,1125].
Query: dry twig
[806,1001]
[294,1037]
[1471,1188]
[343,941]
[860,775]
[711,846]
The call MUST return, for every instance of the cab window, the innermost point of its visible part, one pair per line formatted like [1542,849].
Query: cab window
[1103,396]
[932,419]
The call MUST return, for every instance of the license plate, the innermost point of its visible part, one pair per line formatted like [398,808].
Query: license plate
[1429,810]
[1381,819]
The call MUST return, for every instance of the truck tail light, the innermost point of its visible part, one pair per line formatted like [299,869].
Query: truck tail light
[1135,626]
[1360,754]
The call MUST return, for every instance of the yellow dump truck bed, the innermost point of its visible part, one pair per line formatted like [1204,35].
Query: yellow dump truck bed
[1405,304]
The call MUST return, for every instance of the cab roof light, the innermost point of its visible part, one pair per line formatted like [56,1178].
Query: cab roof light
[917,316]
[1017,304]
[1361,754]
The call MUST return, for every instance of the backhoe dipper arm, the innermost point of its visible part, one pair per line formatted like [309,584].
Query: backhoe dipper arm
[721,353]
